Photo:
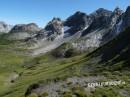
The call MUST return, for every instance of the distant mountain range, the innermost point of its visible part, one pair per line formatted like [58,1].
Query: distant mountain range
[85,31]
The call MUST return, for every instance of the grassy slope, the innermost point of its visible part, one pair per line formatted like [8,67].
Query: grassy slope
[10,61]
[33,70]
[47,70]
[45,67]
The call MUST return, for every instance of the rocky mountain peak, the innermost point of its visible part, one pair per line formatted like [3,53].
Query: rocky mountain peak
[127,13]
[118,11]
[32,24]
[79,13]
[100,19]
[115,17]
[52,30]
[55,26]
[31,27]
[126,18]
[56,19]
[78,20]
[128,9]
[101,12]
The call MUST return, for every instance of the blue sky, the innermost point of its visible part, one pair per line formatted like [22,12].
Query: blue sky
[42,11]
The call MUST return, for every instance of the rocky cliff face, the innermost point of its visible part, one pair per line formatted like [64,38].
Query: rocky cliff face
[123,22]
[115,16]
[103,18]
[126,19]
[5,28]
[113,24]
[52,30]
[77,22]
[100,30]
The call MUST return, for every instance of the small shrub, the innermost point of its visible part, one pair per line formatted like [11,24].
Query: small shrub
[80,94]
[44,94]
[30,88]
[33,95]
[79,91]
[67,94]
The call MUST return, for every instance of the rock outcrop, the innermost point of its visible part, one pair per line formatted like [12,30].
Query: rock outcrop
[5,28]
[23,31]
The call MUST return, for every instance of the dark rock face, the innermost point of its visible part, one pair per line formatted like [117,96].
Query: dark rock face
[114,18]
[116,46]
[31,88]
[118,11]
[100,12]
[104,19]
[122,20]
[100,19]
[42,34]
[78,20]
[98,22]
[55,26]
[53,29]
[32,28]
[126,18]
[114,24]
